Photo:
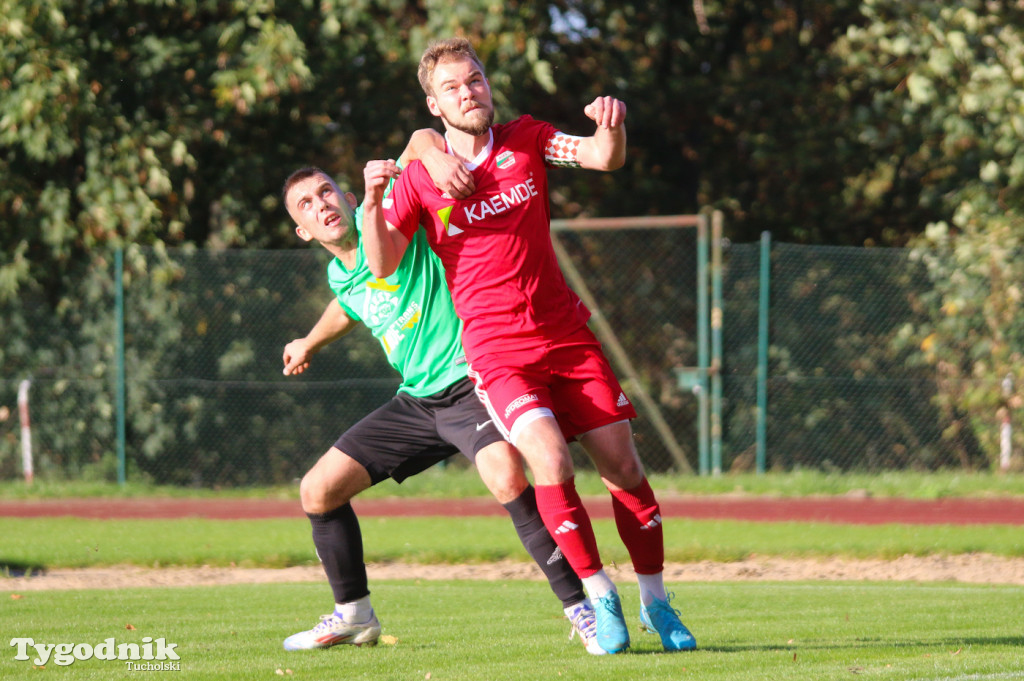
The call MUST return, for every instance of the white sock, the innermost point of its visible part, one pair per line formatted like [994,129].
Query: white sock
[355,612]
[598,584]
[651,587]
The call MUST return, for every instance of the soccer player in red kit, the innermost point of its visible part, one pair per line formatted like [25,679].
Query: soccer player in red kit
[537,366]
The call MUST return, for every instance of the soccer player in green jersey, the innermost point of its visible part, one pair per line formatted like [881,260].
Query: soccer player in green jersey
[434,414]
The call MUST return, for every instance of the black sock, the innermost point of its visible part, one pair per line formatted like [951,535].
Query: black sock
[542,548]
[339,544]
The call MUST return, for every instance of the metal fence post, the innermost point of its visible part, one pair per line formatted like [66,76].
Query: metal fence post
[703,347]
[716,343]
[762,349]
[120,378]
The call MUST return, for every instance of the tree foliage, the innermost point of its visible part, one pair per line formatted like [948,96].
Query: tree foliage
[171,123]
[951,78]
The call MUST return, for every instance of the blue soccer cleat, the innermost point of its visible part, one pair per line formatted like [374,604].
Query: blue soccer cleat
[612,634]
[662,619]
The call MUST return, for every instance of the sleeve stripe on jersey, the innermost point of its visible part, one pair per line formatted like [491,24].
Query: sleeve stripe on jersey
[562,150]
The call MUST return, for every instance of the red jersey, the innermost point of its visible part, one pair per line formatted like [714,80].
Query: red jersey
[496,244]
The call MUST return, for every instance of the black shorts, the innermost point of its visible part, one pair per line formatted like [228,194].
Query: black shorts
[407,435]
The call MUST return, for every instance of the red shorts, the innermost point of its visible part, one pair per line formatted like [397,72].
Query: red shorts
[570,377]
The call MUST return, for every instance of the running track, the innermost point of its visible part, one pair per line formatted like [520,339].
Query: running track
[844,510]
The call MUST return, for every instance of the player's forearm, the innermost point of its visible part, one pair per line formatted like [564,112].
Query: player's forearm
[379,242]
[606,150]
[422,142]
[332,325]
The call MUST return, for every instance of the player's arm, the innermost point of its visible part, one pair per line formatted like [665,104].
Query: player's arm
[383,244]
[449,174]
[332,325]
[606,149]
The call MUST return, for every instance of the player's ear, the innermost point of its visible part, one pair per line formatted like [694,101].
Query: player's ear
[303,234]
[351,198]
[432,106]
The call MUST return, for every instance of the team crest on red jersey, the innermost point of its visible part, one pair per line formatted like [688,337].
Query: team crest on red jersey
[506,160]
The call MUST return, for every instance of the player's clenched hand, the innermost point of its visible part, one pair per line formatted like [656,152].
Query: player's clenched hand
[607,112]
[377,175]
[296,357]
[449,174]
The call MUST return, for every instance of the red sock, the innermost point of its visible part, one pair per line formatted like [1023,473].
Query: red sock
[563,514]
[638,519]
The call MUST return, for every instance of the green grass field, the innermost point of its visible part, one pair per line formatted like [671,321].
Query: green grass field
[476,631]
[512,630]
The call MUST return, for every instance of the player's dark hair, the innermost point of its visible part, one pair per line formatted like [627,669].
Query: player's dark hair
[441,51]
[296,177]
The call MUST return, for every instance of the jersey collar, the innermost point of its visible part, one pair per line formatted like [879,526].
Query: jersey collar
[482,156]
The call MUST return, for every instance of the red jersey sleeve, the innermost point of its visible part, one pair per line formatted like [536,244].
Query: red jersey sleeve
[538,132]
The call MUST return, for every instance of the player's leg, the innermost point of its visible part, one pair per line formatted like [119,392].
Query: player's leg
[639,522]
[561,507]
[545,450]
[468,426]
[325,491]
[501,469]
[531,426]
[637,515]
[593,407]
[391,442]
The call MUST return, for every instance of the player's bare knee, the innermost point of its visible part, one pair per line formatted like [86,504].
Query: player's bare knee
[553,472]
[320,494]
[506,488]
[624,473]
[506,483]
[311,493]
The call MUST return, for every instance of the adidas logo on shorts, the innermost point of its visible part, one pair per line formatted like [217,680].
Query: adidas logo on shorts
[623,401]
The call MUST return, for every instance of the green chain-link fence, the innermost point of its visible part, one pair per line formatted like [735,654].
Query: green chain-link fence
[206,402]
[843,391]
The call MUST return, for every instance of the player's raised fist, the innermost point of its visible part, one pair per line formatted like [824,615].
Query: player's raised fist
[606,112]
[376,175]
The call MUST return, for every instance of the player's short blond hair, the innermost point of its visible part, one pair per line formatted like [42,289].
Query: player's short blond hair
[443,51]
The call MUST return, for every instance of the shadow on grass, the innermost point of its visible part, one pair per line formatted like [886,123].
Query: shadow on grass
[19,569]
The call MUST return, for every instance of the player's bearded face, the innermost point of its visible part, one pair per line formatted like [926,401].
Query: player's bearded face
[462,97]
[474,122]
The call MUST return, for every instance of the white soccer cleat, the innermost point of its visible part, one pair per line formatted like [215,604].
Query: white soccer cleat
[585,624]
[333,630]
